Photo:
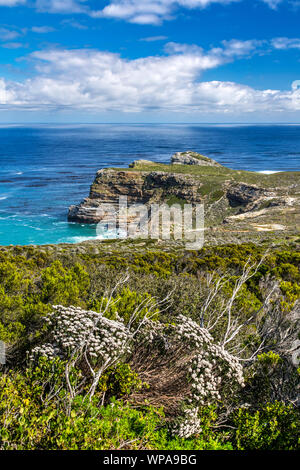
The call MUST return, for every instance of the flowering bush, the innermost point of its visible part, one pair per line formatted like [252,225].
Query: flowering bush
[213,373]
[74,330]
[185,363]
[188,424]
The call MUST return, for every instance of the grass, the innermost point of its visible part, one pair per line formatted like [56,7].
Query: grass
[218,175]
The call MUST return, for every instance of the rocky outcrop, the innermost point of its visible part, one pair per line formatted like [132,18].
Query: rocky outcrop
[235,201]
[242,194]
[192,158]
[139,188]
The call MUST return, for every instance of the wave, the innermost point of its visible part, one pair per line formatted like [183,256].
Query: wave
[269,172]
[79,239]
[110,235]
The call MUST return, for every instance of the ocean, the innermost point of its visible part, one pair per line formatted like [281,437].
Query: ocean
[46,168]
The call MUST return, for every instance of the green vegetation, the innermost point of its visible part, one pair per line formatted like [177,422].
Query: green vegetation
[33,279]
[274,426]
[123,413]
[30,420]
[219,174]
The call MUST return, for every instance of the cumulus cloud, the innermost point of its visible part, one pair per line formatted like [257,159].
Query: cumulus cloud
[99,81]
[155,11]
[151,12]
[286,43]
[229,50]
[236,48]
[6,96]
[134,11]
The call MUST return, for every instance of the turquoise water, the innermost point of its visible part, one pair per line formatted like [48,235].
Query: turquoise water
[44,169]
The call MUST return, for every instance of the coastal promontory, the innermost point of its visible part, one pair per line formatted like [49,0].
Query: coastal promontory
[240,202]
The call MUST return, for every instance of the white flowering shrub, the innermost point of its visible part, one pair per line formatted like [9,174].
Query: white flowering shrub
[73,329]
[209,372]
[212,367]
[47,350]
[213,373]
[149,331]
[188,424]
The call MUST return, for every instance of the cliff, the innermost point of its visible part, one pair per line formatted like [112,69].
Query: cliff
[139,187]
[238,201]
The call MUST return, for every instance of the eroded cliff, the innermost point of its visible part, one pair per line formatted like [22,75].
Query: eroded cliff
[234,200]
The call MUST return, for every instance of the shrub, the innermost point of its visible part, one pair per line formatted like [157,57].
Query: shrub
[275,426]
[32,417]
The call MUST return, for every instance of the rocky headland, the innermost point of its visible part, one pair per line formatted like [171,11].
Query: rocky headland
[238,203]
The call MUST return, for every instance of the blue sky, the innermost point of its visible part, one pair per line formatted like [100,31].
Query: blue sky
[149,61]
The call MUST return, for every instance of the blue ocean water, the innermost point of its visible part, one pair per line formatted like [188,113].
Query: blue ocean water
[46,168]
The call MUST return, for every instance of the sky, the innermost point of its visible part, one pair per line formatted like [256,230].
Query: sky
[218,61]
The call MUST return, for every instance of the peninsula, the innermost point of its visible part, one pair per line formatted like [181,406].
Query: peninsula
[239,205]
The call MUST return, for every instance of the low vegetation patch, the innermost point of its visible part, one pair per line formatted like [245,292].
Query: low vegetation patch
[149,349]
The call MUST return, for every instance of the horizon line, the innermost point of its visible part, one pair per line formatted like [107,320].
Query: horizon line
[145,122]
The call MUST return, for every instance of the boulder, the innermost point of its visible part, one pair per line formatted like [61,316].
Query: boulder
[192,158]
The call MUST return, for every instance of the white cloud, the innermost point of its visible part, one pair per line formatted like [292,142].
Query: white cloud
[97,81]
[134,11]
[229,51]
[42,29]
[154,38]
[151,11]
[8,34]
[11,3]
[13,45]
[286,43]
[6,96]
[273,3]
[74,24]
[237,48]
[62,6]
[155,11]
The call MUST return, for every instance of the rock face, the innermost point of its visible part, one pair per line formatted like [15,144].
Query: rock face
[139,187]
[192,158]
[242,194]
